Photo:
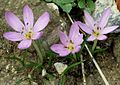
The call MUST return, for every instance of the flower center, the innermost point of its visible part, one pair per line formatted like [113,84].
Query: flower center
[28,35]
[96,31]
[70,46]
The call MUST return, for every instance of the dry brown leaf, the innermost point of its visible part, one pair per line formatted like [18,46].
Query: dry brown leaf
[118,4]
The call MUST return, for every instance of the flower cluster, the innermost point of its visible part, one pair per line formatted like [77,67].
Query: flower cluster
[28,31]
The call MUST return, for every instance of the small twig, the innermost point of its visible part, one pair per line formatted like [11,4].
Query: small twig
[83,71]
[94,61]
[72,22]
[70,18]
[97,66]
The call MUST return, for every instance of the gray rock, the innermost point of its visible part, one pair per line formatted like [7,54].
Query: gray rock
[115,15]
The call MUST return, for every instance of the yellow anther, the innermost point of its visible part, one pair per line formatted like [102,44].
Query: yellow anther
[28,35]
[96,33]
[71,47]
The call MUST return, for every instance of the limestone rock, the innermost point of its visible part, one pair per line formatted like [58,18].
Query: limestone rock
[115,15]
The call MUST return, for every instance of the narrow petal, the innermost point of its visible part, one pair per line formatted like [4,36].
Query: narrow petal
[28,17]
[85,28]
[37,35]
[91,38]
[42,22]
[14,21]
[63,38]
[78,39]
[88,19]
[109,29]
[104,18]
[102,37]
[77,49]
[13,36]
[24,44]
[60,49]
[74,30]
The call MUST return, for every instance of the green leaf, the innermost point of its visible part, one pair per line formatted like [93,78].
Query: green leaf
[48,0]
[30,64]
[58,2]
[90,6]
[81,4]
[16,58]
[66,5]
[100,50]
[66,8]
[63,1]
[70,67]
[18,82]
[33,65]
[67,1]
[63,78]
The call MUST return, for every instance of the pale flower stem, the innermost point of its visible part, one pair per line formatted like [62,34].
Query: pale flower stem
[70,18]
[83,70]
[72,22]
[74,56]
[38,52]
[62,79]
[94,61]
[94,45]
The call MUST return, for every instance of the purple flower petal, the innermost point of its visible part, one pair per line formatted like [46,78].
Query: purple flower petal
[88,19]
[74,30]
[109,29]
[14,21]
[24,44]
[85,28]
[60,49]
[91,38]
[102,37]
[77,49]
[78,39]
[104,18]
[63,38]
[13,36]
[28,17]
[37,35]
[42,22]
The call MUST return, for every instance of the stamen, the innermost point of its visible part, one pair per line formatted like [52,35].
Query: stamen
[28,35]
[22,28]
[70,46]
[71,42]
[96,31]
[27,23]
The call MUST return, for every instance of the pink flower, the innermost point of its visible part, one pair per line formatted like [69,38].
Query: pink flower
[97,30]
[25,32]
[69,44]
